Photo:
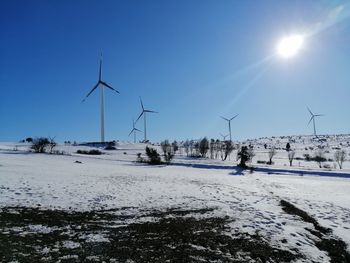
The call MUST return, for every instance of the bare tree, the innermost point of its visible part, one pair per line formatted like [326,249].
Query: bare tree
[212,148]
[227,149]
[272,153]
[291,155]
[186,145]
[339,157]
[39,144]
[52,144]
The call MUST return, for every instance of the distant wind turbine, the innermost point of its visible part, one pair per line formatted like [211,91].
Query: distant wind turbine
[224,136]
[143,112]
[134,130]
[100,83]
[313,117]
[229,124]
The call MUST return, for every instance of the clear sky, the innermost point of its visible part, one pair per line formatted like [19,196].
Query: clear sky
[191,60]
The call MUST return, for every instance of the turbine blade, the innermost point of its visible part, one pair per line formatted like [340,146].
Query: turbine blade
[137,130]
[142,104]
[317,115]
[151,111]
[233,117]
[91,91]
[108,86]
[310,119]
[100,71]
[139,116]
[310,111]
[131,132]
[224,118]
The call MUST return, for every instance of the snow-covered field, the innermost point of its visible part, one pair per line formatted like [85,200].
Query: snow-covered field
[250,199]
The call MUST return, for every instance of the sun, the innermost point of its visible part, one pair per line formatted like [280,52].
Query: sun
[289,46]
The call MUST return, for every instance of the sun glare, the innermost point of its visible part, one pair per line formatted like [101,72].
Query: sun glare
[290,45]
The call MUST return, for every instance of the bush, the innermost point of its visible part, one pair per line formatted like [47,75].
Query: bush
[203,146]
[168,151]
[139,158]
[307,157]
[319,157]
[91,152]
[260,162]
[39,144]
[153,156]
[29,139]
[245,154]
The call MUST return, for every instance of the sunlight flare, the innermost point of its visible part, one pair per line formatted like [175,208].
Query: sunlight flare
[290,45]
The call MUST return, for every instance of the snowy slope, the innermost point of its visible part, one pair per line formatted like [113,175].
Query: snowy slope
[114,180]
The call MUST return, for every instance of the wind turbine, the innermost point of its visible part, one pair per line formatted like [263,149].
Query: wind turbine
[229,124]
[143,112]
[134,130]
[313,116]
[224,136]
[100,83]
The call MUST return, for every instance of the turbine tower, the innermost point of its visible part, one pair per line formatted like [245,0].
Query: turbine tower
[134,130]
[229,124]
[143,112]
[100,83]
[313,117]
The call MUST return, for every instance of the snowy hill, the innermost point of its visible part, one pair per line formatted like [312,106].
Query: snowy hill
[136,193]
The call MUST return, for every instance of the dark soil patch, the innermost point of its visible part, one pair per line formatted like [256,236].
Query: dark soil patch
[293,210]
[174,236]
[335,248]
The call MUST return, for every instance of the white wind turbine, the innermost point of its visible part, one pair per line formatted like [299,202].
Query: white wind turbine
[143,112]
[313,117]
[229,124]
[100,83]
[134,130]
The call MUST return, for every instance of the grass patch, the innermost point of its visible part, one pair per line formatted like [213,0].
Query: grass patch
[175,235]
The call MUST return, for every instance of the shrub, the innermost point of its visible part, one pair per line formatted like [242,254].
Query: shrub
[139,158]
[327,166]
[39,144]
[319,157]
[307,157]
[29,139]
[91,152]
[168,151]
[288,147]
[203,146]
[153,156]
[245,154]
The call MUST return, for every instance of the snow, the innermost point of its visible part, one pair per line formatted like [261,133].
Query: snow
[113,180]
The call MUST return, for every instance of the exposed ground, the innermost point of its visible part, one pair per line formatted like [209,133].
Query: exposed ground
[33,235]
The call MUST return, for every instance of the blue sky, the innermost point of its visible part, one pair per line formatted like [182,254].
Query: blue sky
[190,60]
